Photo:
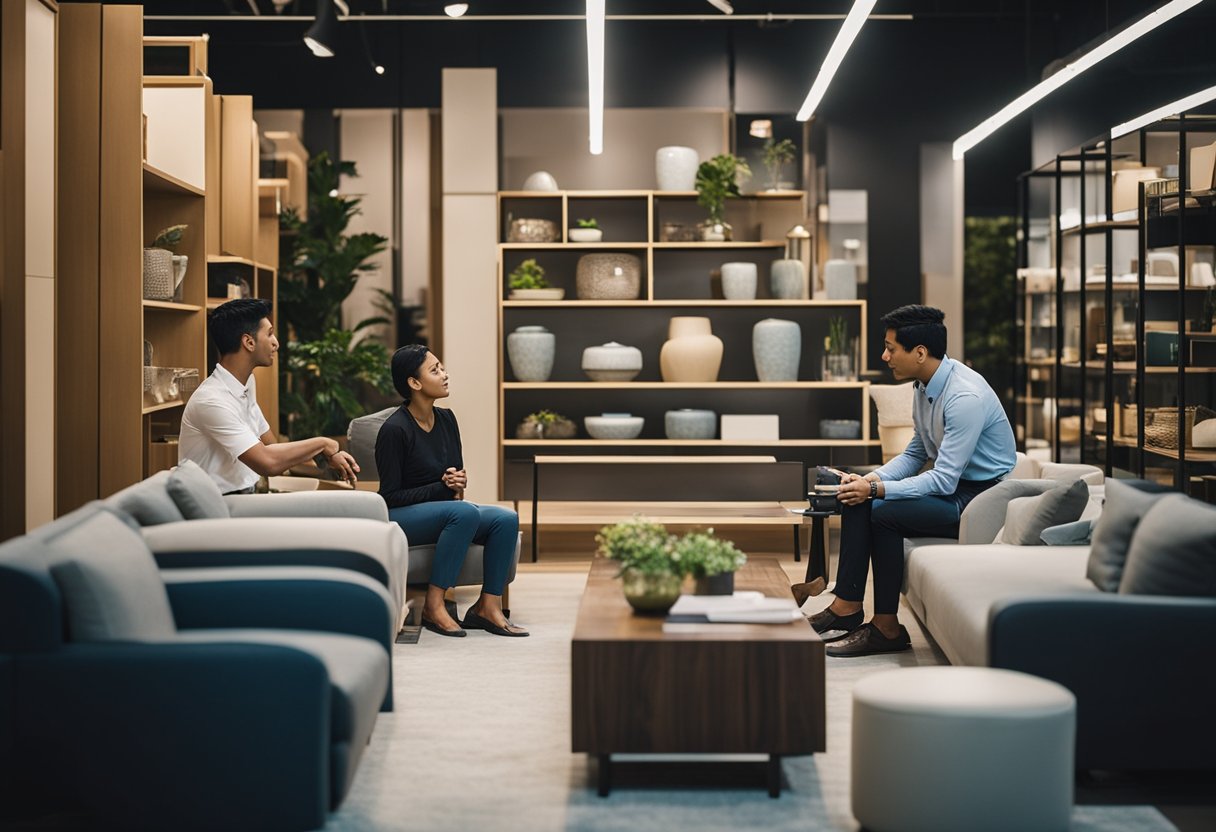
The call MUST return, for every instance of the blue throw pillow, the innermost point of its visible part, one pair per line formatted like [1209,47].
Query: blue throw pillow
[1078,533]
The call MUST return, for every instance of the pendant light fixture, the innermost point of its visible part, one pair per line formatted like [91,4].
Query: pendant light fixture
[1094,56]
[323,33]
[1164,111]
[844,39]
[595,74]
[455,9]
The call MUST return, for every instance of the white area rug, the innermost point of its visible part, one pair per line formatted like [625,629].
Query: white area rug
[480,740]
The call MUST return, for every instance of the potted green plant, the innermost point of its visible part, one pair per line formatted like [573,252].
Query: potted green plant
[711,560]
[527,282]
[838,354]
[777,154]
[588,231]
[717,180]
[545,424]
[329,374]
[651,572]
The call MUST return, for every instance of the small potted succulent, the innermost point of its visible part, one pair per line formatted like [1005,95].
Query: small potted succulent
[588,231]
[718,179]
[527,282]
[837,352]
[651,572]
[545,424]
[712,560]
[777,154]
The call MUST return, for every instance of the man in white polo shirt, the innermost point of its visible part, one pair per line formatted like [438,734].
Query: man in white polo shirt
[223,429]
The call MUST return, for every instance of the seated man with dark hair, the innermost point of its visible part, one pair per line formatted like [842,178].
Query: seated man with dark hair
[223,429]
[960,429]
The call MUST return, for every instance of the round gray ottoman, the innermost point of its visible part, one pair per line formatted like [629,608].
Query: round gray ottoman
[938,749]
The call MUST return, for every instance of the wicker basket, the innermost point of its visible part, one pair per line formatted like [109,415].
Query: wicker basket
[187,381]
[1161,425]
[158,274]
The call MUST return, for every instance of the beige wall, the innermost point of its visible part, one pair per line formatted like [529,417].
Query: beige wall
[470,268]
[367,140]
[415,205]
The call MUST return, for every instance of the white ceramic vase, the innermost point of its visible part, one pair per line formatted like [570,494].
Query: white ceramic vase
[786,279]
[675,168]
[688,423]
[612,362]
[531,350]
[739,281]
[840,280]
[776,349]
[541,180]
[692,352]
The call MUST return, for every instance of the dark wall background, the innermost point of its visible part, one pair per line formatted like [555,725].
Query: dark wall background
[903,83]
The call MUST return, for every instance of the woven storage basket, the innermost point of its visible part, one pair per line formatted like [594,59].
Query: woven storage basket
[187,381]
[1162,432]
[158,274]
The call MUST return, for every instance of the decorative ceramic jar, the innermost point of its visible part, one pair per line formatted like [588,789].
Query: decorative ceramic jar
[688,423]
[692,352]
[715,232]
[840,280]
[532,230]
[739,281]
[675,168]
[531,350]
[677,232]
[786,279]
[608,276]
[541,180]
[612,362]
[650,594]
[839,429]
[585,235]
[776,349]
[614,426]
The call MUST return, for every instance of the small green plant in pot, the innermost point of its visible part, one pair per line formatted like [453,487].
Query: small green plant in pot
[838,357]
[528,275]
[776,156]
[545,424]
[651,571]
[712,560]
[717,180]
[588,231]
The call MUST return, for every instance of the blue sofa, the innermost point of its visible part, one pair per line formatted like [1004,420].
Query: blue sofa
[234,699]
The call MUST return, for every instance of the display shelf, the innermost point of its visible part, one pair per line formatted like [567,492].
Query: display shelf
[156,408]
[691,443]
[239,261]
[680,302]
[171,306]
[159,181]
[1100,227]
[683,385]
[603,246]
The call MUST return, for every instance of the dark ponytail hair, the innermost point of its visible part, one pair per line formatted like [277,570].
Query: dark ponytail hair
[406,363]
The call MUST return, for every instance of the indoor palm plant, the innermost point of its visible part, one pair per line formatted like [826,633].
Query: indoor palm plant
[326,368]
[651,571]
[711,560]
[777,154]
[718,179]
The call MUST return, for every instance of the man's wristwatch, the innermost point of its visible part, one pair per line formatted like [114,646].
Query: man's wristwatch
[873,489]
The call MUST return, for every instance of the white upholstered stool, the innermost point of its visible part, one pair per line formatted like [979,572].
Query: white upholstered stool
[938,749]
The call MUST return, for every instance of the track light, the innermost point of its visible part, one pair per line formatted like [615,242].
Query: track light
[844,39]
[455,9]
[595,74]
[1042,89]
[723,6]
[1171,109]
[323,33]
[379,69]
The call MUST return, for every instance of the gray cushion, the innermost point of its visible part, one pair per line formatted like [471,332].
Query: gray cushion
[111,587]
[1173,550]
[1125,505]
[195,493]
[984,515]
[361,440]
[148,501]
[1077,533]
[1027,517]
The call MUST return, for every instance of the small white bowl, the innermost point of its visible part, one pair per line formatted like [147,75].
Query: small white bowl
[586,235]
[614,427]
[537,294]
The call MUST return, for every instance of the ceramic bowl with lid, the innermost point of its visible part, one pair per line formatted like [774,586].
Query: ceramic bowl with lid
[612,362]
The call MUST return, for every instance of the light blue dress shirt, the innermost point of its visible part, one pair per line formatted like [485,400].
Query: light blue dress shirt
[961,428]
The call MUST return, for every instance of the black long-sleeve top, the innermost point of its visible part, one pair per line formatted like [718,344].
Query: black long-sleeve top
[412,461]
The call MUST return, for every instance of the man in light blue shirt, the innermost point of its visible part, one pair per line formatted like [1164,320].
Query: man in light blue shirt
[961,434]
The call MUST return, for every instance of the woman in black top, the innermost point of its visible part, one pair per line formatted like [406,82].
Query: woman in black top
[422,478]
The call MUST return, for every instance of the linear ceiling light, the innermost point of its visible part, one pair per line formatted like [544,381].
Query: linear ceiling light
[1171,109]
[595,73]
[844,39]
[323,32]
[1047,86]
[455,9]
[722,6]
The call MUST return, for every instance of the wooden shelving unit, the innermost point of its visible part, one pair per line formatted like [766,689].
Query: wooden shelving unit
[676,279]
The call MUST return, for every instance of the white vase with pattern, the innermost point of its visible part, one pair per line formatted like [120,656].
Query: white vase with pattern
[776,349]
[692,352]
[739,281]
[787,279]
[675,168]
[531,350]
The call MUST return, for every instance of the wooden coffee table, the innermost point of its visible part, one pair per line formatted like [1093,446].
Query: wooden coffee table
[712,689]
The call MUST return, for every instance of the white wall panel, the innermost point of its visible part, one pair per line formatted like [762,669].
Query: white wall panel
[177,132]
[470,131]
[415,205]
[367,140]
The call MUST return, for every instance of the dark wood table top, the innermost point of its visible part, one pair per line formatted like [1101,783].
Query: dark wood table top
[605,615]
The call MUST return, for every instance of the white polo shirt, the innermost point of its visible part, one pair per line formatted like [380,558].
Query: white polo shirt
[222,420]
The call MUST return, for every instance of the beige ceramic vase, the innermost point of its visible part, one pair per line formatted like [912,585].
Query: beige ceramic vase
[692,352]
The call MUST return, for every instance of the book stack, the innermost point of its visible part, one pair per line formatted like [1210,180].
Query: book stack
[691,611]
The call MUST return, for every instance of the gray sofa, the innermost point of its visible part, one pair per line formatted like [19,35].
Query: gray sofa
[187,523]
[235,699]
[1138,662]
